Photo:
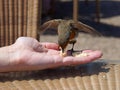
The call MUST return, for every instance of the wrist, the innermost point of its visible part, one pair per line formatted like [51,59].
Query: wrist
[7,55]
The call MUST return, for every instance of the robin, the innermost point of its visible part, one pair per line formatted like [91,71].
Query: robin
[68,31]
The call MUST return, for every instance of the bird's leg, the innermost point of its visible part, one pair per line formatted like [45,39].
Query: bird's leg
[72,49]
[73,41]
[62,52]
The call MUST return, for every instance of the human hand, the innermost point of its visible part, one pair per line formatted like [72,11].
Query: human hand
[29,54]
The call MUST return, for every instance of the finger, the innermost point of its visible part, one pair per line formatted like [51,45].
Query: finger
[50,45]
[39,48]
[87,51]
[91,56]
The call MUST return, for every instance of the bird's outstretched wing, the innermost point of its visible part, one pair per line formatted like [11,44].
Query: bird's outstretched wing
[86,28]
[53,24]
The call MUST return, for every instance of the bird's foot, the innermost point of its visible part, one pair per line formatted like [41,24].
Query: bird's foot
[72,52]
[63,54]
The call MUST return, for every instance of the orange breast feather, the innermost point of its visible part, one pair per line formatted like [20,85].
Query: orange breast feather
[72,35]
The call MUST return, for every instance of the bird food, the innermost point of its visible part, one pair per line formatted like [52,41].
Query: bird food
[74,53]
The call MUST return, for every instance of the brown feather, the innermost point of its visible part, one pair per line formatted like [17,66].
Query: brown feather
[83,27]
[53,24]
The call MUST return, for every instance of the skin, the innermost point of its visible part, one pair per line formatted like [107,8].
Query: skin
[29,54]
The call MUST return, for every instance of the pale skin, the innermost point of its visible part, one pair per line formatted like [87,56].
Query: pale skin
[29,54]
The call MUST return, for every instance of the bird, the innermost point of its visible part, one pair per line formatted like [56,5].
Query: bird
[67,31]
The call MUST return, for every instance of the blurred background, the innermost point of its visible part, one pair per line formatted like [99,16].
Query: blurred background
[103,15]
[23,18]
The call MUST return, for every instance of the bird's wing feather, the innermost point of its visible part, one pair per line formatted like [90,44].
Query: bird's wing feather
[86,28]
[53,24]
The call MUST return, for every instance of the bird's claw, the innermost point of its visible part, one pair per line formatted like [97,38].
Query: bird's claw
[63,54]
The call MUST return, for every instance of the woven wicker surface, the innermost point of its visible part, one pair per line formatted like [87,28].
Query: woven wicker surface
[93,76]
[18,18]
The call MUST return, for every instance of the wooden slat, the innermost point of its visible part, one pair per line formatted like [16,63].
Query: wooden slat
[117,76]
[15,19]
[75,78]
[2,23]
[25,17]
[18,18]
[39,18]
[11,29]
[20,10]
[35,18]
[75,10]
[6,6]
[29,18]
[98,10]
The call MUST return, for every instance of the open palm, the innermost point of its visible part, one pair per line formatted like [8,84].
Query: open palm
[33,55]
